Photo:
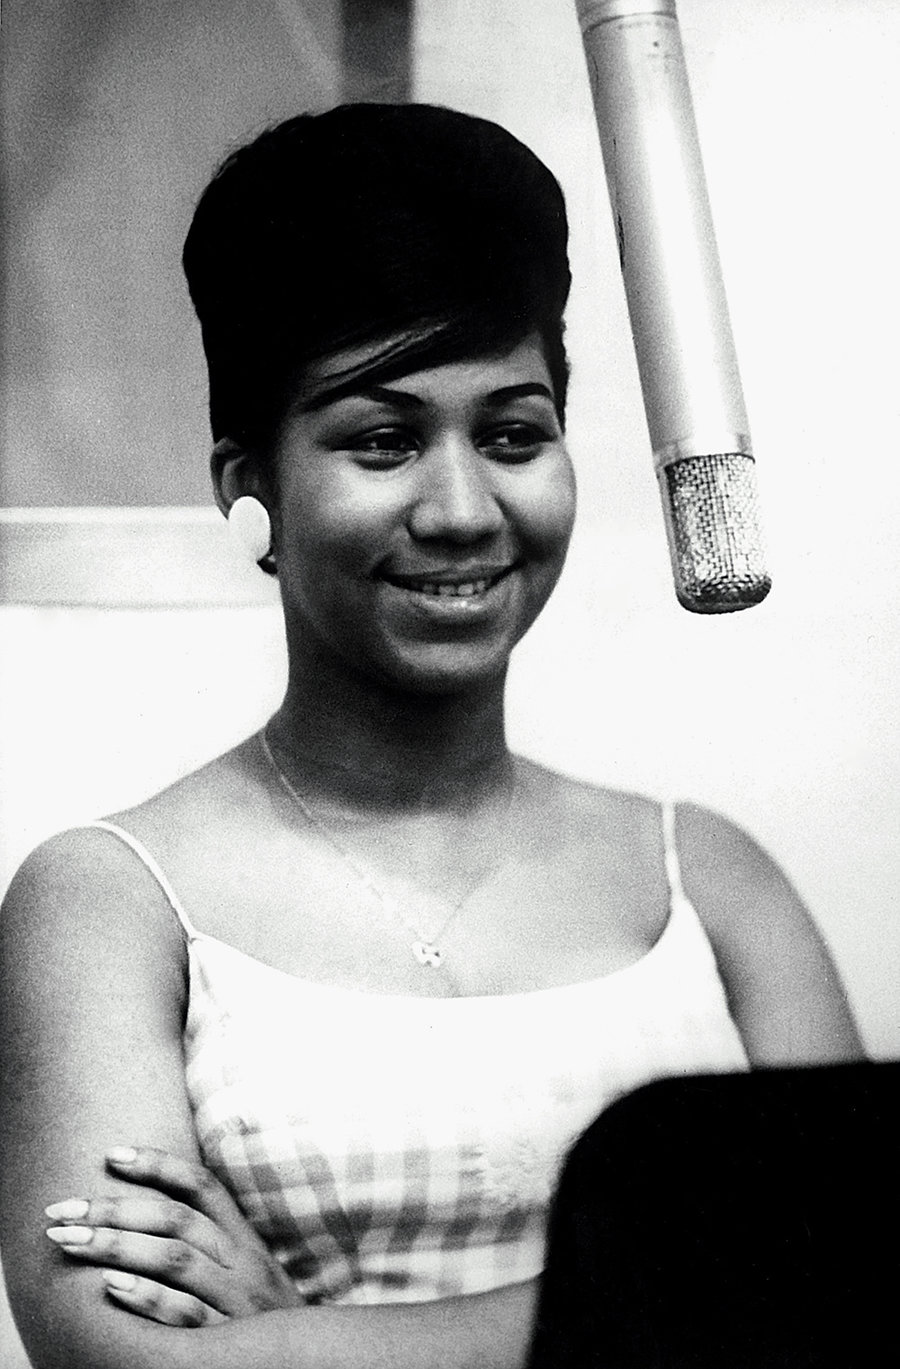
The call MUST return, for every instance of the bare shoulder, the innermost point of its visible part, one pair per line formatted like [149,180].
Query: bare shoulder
[87,929]
[782,983]
[724,867]
[80,886]
[86,882]
[93,970]
[577,800]
[205,832]
[737,888]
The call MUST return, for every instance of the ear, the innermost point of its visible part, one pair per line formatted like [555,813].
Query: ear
[235,471]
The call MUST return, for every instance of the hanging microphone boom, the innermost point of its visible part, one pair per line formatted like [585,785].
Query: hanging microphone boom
[676,300]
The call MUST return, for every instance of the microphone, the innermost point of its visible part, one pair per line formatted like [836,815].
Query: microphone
[676,301]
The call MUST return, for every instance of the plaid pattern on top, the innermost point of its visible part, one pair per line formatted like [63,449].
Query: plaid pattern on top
[394,1149]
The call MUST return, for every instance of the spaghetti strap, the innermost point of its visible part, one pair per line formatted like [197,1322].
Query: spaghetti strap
[670,849]
[155,870]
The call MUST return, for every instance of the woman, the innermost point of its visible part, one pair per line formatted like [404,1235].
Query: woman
[340,1001]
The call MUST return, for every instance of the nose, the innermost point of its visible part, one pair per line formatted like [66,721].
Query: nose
[456,500]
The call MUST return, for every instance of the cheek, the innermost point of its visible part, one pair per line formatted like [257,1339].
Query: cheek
[548,512]
[325,521]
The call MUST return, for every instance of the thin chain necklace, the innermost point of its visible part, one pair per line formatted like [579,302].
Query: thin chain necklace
[426,950]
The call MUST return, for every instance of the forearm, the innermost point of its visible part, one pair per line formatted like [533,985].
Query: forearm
[482,1331]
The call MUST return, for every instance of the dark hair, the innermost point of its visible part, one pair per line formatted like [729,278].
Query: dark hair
[439,232]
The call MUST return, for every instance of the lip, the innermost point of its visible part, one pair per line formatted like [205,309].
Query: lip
[446,578]
[450,593]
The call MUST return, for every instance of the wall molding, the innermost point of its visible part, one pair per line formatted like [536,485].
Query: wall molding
[125,558]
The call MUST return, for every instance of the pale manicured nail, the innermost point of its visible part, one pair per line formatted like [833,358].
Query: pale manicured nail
[122,1155]
[71,1235]
[68,1211]
[117,1278]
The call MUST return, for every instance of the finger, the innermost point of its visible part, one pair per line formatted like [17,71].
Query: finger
[171,1262]
[191,1183]
[156,1302]
[152,1214]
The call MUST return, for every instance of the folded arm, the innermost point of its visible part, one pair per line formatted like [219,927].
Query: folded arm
[94,991]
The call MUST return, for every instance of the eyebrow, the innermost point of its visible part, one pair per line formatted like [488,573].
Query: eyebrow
[523,391]
[387,394]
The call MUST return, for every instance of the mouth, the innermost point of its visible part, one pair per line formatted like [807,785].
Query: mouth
[462,585]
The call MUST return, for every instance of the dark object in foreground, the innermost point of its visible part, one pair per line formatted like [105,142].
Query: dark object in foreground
[730,1222]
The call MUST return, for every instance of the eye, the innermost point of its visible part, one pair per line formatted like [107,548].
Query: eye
[382,447]
[515,442]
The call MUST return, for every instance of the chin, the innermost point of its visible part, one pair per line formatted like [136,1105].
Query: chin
[448,676]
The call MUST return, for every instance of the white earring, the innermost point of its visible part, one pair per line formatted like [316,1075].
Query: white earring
[250,527]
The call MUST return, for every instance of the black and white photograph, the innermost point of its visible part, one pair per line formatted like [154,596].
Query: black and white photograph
[449,684]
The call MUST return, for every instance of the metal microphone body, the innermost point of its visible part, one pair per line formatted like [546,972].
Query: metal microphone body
[676,301]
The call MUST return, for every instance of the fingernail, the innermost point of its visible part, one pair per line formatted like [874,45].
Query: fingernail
[117,1278]
[68,1211]
[121,1155]
[71,1235]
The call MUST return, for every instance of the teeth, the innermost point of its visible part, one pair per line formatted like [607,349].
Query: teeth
[445,591]
[464,591]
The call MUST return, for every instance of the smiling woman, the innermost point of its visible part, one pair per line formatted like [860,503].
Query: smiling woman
[378,972]
[420,529]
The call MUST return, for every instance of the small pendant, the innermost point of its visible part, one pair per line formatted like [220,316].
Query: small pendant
[427,954]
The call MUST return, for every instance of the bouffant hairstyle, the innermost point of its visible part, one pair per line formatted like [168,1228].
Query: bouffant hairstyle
[439,233]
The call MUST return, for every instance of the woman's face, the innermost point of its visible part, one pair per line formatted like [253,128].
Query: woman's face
[420,525]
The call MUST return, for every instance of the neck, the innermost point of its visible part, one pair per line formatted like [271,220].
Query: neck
[364,745]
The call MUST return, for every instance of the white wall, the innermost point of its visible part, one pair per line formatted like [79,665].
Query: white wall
[786,716]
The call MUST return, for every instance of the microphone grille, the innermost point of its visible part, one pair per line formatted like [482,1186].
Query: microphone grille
[715,540]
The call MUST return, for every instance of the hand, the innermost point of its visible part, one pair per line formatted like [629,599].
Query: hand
[179,1251]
